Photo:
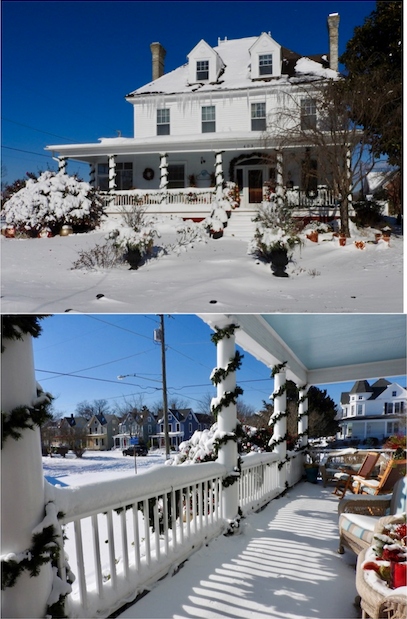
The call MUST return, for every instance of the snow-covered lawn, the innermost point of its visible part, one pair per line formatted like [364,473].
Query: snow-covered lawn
[216,275]
[96,466]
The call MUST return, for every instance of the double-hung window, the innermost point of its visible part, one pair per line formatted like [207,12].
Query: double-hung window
[258,115]
[266,64]
[124,175]
[163,122]
[308,114]
[208,119]
[202,70]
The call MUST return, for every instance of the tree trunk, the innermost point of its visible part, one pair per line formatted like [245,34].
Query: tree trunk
[344,213]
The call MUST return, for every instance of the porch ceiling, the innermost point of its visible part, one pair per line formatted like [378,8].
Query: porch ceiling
[321,349]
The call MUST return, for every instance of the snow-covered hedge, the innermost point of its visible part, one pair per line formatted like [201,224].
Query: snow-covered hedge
[52,200]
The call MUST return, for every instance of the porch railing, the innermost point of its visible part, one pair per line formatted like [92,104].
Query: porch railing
[123,535]
[323,196]
[188,196]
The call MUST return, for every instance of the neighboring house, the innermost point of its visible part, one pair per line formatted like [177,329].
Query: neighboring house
[181,426]
[139,423]
[204,421]
[210,121]
[101,430]
[377,410]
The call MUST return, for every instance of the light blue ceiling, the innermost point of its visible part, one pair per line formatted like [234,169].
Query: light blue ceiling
[323,341]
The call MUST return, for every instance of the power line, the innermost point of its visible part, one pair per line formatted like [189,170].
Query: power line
[55,135]
[102,380]
[30,152]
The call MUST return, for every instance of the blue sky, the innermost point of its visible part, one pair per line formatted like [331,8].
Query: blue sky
[67,66]
[101,347]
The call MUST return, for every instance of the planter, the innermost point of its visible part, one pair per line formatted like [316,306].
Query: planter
[10,232]
[279,260]
[216,234]
[133,257]
[311,473]
[313,236]
[65,230]
[377,236]
[45,233]
[342,241]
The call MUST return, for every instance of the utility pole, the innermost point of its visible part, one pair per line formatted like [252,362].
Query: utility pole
[165,404]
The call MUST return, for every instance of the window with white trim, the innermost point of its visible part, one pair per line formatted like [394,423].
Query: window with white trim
[266,64]
[208,119]
[202,70]
[176,176]
[163,121]
[360,409]
[124,175]
[308,114]
[258,116]
[103,176]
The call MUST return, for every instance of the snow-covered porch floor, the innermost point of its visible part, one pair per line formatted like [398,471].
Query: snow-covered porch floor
[284,564]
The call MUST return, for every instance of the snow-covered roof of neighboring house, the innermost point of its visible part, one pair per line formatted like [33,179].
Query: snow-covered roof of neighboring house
[235,56]
[362,386]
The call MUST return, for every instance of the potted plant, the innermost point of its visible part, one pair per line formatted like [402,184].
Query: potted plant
[311,467]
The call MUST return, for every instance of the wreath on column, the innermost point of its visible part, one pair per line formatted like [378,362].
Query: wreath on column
[148,174]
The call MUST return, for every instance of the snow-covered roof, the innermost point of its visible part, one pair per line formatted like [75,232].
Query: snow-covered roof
[235,55]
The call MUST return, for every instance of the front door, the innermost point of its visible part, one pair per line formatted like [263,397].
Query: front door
[255,181]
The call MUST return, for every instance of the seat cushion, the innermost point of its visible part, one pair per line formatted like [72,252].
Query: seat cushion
[358,525]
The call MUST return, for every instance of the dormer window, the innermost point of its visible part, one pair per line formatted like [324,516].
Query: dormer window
[202,70]
[266,64]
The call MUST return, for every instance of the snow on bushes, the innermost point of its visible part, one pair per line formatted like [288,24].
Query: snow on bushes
[52,200]
[275,230]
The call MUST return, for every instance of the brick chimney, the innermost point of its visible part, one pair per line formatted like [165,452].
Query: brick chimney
[333,27]
[158,54]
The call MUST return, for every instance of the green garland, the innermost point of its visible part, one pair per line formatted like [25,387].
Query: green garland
[277,368]
[228,398]
[25,417]
[233,365]
[222,333]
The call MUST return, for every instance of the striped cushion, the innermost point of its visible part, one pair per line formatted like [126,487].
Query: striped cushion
[358,525]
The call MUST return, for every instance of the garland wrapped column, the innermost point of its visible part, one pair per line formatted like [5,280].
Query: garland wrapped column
[279,418]
[112,172]
[279,178]
[303,416]
[163,171]
[22,478]
[62,163]
[219,174]
[224,377]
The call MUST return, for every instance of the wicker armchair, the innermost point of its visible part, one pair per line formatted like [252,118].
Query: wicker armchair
[359,515]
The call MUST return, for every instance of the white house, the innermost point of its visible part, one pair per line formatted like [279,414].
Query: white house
[211,121]
[101,429]
[377,410]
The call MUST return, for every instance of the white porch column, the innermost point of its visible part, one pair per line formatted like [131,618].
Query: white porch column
[219,174]
[62,163]
[279,419]
[163,171]
[92,174]
[112,172]
[227,422]
[279,178]
[302,416]
[22,484]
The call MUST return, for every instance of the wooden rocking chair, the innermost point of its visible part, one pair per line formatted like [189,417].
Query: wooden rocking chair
[346,476]
[395,470]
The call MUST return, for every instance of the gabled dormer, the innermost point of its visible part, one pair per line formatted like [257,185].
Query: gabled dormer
[265,58]
[204,64]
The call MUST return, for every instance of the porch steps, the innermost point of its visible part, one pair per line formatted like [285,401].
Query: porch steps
[241,225]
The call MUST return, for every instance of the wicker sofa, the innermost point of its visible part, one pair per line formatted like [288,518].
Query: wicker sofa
[361,516]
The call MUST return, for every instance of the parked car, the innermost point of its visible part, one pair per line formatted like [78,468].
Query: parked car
[141,450]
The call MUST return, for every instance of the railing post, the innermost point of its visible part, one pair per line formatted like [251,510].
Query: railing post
[227,422]
[22,484]
[279,420]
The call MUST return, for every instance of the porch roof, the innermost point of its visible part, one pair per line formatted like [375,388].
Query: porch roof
[322,349]
[195,143]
